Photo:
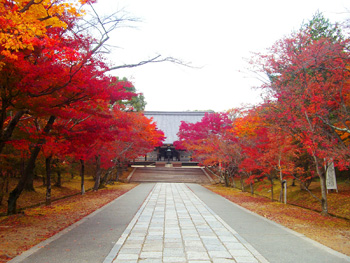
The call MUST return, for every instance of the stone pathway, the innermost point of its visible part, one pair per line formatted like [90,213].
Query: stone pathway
[174,225]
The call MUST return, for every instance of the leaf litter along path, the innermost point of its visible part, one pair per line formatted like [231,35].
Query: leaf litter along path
[329,231]
[20,232]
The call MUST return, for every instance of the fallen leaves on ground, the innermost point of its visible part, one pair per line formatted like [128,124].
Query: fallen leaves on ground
[338,202]
[20,232]
[69,187]
[329,231]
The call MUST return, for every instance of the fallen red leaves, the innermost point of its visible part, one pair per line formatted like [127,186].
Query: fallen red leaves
[22,231]
[70,187]
[338,203]
[330,231]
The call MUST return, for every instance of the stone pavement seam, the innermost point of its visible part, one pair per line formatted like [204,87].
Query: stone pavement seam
[235,234]
[174,225]
[315,243]
[114,251]
[239,237]
[46,242]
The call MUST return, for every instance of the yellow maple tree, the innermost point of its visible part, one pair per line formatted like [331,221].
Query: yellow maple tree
[23,22]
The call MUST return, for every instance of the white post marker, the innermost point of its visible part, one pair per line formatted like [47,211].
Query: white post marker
[331,180]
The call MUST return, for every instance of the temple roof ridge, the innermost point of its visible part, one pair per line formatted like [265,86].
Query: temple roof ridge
[169,121]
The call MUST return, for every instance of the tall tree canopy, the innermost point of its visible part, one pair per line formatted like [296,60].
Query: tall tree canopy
[56,93]
[301,128]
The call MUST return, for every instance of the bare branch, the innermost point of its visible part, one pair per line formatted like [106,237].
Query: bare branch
[332,126]
[156,59]
[103,26]
[28,5]
[304,186]
[76,122]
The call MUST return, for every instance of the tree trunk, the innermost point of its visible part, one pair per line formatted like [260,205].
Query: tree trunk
[23,166]
[234,185]
[322,175]
[44,180]
[306,184]
[29,185]
[251,188]
[48,179]
[15,193]
[271,180]
[2,186]
[242,184]
[125,166]
[285,191]
[119,171]
[107,178]
[10,128]
[82,175]
[324,202]
[280,198]
[293,184]
[117,175]
[231,174]
[226,178]
[4,181]
[98,173]
[10,174]
[59,179]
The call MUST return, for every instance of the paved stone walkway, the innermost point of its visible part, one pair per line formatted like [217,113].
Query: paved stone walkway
[174,225]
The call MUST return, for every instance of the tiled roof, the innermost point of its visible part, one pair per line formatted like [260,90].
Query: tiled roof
[169,121]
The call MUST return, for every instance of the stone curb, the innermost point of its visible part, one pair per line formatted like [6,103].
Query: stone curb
[114,251]
[315,243]
[46,242]
[241,239]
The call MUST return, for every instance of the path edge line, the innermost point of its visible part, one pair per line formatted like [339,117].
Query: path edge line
[117,246]
[255,252]
[46,242]
[291,231]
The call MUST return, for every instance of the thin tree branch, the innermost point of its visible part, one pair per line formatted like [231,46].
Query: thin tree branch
[156,59]
[332,126]
[28,5]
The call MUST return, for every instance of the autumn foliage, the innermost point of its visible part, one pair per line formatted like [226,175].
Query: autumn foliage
[58,102]
[300,129]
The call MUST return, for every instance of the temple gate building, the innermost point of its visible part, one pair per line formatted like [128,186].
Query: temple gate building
[169,122]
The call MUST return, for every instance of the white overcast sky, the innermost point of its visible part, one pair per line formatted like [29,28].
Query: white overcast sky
[216,35]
